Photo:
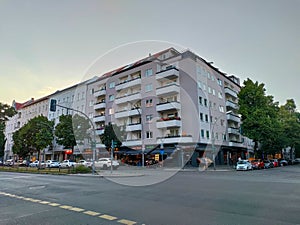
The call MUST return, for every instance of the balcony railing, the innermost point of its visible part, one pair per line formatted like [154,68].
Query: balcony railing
[169,89]
[169,73]
[127,113]
[128,98]
[128,83]
[132,142]
[232,130]
[175,139]
[99,131]
[231,105]
[100,92]
[164,106]
[230,92]
[169,122]
[233,118]
[99,105]
[99,118]
[133,127]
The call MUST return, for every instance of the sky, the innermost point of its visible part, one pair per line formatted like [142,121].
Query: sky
[50,45]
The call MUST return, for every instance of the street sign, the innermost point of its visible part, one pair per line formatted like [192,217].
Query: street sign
[162,152]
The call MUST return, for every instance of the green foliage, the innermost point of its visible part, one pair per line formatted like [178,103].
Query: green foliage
[64,132]
[5,112]
[33,136]
[2,139]
[112,132]
[81,125]
[82,169]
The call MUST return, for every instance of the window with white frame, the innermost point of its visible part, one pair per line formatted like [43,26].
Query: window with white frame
[221,108]
[148,72]
[149,135]
[149,103]
[111,97]
[148,87]
[149,118]
[111,85]
[220,82]
[202,133]
[200,100]
[207,134]
[201,116]
[220,95]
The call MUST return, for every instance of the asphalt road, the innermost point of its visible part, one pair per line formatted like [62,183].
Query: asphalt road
[210,198]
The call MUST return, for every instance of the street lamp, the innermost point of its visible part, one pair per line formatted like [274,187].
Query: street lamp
[213,138]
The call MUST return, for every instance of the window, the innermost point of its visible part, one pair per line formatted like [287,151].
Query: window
[213,92]
[202,133]
[205,102]
[92,91]
[220,95]
[149,118]
[199,85]
[111,97]
[208,75]
[206,118]
[82,95]
[211,119]
[207,134]
[200,100]
[209,90]
[220,82]
[148,72]
[111,85]
[222,122]
[149,134]
[148,87]
[111,111]
[149,103]
[201,116]
[221,108]
[212,77]
[204,87]
[91,115]
[91,102]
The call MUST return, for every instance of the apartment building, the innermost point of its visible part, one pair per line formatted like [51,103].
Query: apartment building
[171,100]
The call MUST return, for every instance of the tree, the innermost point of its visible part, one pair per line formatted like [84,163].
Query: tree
[259,116]
[112,132]
[289,118]
[81,125]
[64,132]
[35,135]
[2,139]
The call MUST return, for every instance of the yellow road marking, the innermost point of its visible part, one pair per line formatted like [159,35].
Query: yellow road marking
[88,212]
[91,213]
[108,217]
[77,209]
[127,222]
[54,204]
[65,207]
[44,202]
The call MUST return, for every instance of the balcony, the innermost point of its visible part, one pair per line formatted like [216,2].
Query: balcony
[233,118]
[99,118]
[231,105]
[232,130]
[134,142]
[133,127]
[175,139]
[128,98]
[99,105]
[168,122]
[168,106]
[126,113]
[236,144]
[99,93]
[230,92]
[167,74]
[169,89]
[129,83]
[99,131]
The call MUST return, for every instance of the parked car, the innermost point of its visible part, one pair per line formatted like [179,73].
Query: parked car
[257,164]
[105,163]
[243,165]
[268,164]
[67,163]
[9,162]
[296,161]
[275,162]
[283,162]
[36,164]
[84,163]
[52,164]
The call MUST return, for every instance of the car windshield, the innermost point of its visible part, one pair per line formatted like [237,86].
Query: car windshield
[242,162]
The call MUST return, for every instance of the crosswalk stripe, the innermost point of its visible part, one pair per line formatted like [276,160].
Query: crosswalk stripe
[127,222]
[108,217]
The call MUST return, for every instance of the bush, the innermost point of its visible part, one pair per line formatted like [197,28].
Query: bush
[82,169]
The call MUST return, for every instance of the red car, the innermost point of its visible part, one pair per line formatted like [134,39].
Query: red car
[257,164]
[275,162]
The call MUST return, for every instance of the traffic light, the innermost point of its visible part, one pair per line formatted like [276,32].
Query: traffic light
[52,105]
